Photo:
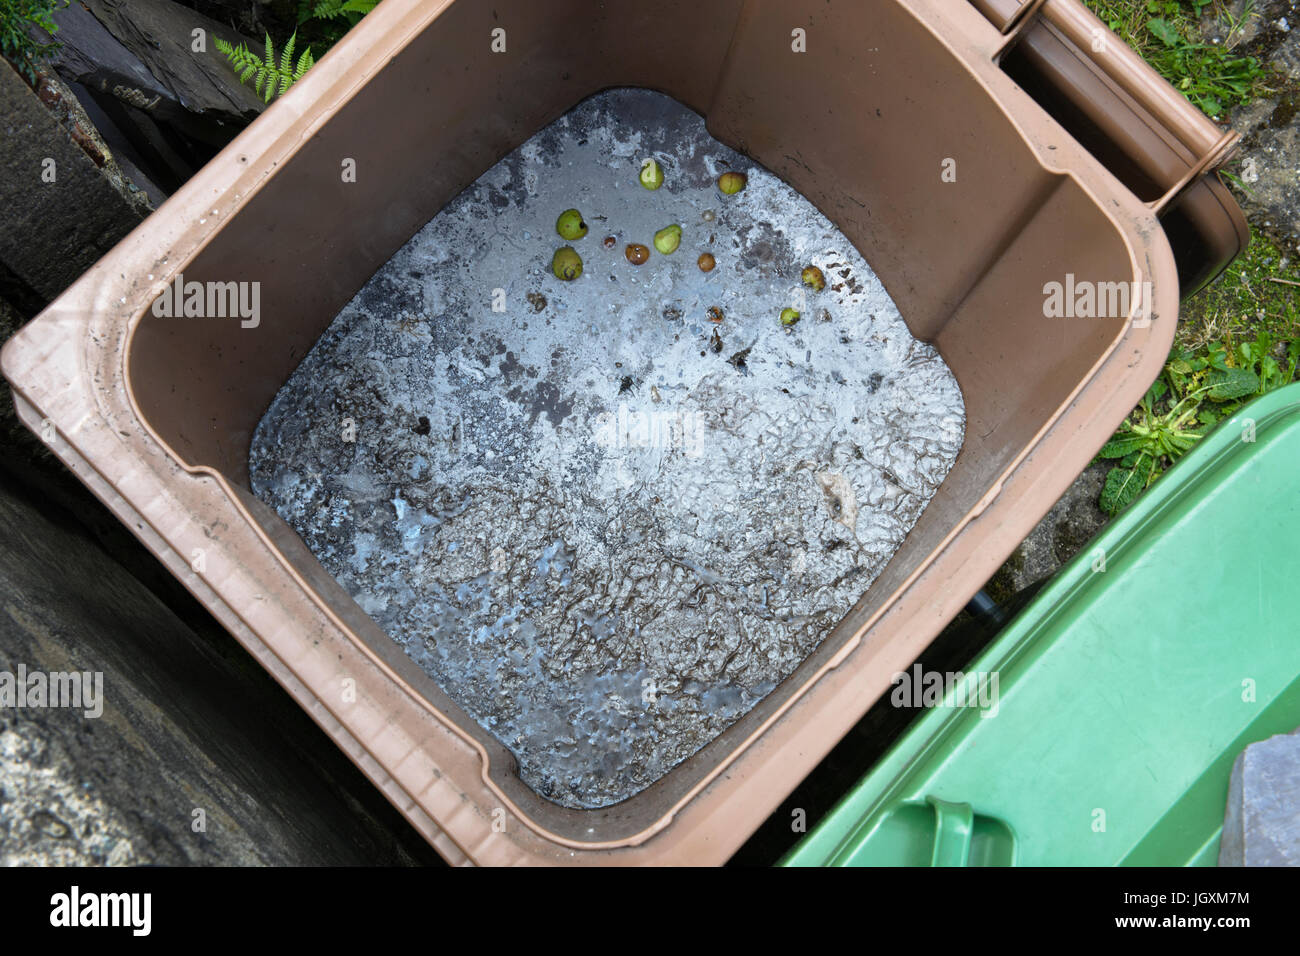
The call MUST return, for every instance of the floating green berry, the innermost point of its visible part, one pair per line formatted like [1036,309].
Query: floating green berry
[668,239]
[566,264]
[570,225]
[813,278]
[652,177]
[789,317]
[732,183]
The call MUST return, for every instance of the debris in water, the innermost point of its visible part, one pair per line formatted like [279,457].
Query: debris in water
[841,502]
[737,361]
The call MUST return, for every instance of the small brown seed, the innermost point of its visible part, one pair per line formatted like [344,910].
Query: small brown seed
[706,262]
[714,314]
[637,253]
[609,242]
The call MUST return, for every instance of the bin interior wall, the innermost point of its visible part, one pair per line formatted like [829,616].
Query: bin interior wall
[860,124]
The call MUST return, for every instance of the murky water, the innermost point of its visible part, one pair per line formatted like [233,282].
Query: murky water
[604,524]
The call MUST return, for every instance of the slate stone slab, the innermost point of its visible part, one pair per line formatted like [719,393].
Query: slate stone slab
[89,54]
[51,231]
[142,53]
[190,721]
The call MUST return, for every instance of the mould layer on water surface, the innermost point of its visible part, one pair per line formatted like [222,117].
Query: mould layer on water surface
[604,523]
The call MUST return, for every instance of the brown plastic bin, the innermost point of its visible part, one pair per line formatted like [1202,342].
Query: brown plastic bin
[156,414]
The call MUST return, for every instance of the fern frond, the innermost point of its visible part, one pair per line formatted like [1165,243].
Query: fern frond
[305,63]
[333,9]
[270,79]
[286,56]
[328,9]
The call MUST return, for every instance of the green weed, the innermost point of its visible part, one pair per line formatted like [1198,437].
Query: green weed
[17,46]
[1194,392]
[1166,34]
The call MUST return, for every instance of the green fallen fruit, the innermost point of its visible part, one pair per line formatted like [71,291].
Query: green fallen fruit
[570,225]
[566,264]
[789,316]
[813,278]
[668,239]
[732,183]
[652,177]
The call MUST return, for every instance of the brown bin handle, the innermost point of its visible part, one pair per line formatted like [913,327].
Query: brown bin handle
[1212,160]
[1208,146]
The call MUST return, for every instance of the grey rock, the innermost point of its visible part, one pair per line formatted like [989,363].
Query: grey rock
[1063,532]
[1262,824]
[1269,157]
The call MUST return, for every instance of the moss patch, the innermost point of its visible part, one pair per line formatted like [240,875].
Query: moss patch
[1258,292]
[1003,586]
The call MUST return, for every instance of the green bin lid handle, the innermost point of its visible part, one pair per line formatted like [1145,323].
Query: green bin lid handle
[954,826]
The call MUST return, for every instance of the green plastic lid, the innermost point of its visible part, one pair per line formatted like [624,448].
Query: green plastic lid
[1123,692]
